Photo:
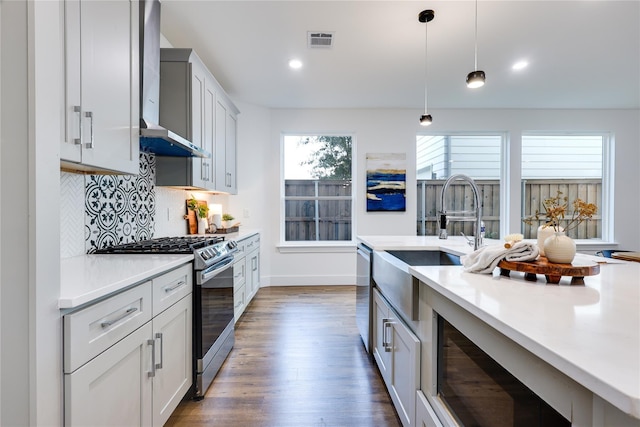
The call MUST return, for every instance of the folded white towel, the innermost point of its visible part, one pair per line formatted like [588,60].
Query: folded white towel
[485,259]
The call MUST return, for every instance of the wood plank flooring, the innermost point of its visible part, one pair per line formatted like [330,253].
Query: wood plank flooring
[298,361]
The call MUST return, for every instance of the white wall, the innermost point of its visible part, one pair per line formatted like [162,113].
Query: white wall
[395,131]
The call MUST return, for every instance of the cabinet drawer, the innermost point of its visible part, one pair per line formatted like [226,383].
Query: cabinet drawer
[252,243]
[171,287]
[239,273]
[241,249]
[90,331]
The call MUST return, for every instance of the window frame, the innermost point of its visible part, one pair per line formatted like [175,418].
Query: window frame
[317,245]
[606,210]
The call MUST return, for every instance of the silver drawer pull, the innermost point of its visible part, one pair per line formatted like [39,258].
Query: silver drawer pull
[119,318]
[176,286]
[159,336]
[152,343]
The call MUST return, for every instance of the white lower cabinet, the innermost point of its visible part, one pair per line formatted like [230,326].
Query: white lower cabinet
[172,331]
[246,273]
[114,389]
[128,359]
[397,353]
[425,416]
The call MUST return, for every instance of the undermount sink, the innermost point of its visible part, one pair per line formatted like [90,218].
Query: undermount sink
[416,258]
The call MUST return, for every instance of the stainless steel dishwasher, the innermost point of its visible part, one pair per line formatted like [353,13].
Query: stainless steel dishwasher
[364,303]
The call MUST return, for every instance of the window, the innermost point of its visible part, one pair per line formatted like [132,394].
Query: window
[570,164]
[439,157]
[317,188]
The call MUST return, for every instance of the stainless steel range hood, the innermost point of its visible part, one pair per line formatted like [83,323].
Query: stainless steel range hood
[155,138]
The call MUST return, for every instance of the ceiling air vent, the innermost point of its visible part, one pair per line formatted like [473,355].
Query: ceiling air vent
[319,39]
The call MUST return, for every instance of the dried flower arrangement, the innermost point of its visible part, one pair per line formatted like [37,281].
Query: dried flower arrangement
[556,209]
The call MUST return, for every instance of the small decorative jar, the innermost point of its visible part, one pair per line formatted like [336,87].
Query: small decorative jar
[560,248]
[545,231]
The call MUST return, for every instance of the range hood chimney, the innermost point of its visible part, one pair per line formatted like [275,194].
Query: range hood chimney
[154,138]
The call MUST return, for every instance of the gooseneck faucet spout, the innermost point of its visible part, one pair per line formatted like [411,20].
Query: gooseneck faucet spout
[475,215]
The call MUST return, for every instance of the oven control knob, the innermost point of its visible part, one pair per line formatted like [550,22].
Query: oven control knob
[231,244]
[205,255]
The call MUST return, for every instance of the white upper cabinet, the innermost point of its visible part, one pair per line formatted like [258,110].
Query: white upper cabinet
[101,86]
[225,145]
[194,105]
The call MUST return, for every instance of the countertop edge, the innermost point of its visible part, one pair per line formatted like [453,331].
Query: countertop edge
[73,296]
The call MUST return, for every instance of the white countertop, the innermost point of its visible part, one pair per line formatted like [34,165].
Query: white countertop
[591,333]
[89,277]
[456,245]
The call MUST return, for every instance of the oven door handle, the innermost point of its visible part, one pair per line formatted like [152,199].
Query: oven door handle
[215,269]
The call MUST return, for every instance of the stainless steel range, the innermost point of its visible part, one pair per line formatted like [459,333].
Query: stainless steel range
[213,336]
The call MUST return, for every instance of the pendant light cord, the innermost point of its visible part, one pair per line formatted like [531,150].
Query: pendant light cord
[475,62]
[426,50]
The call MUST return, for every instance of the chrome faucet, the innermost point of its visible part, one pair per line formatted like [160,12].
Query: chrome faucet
[475,215]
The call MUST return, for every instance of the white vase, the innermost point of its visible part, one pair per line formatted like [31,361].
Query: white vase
[560,248]
[228,224]
[203,225]
[545,231]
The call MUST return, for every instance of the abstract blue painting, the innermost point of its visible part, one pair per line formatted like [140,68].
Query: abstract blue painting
[386,182]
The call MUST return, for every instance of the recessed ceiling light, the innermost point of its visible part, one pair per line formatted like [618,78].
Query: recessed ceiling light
[295,64]
[519,65]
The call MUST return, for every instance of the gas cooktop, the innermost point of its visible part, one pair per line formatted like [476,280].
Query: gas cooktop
[163,245]
[206,250]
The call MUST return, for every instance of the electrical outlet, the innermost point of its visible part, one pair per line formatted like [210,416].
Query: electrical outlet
[245,213]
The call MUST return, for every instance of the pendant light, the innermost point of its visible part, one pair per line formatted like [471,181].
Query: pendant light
[476,78]
[425,16]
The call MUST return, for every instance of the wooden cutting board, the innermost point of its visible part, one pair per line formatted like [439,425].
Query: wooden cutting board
[192,218]
[627,256]
[553,272]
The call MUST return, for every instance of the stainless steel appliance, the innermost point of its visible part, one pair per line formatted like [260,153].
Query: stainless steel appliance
[213,322]
[364,295]
[154,136]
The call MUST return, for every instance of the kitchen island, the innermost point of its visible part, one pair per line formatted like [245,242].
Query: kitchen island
[576,346]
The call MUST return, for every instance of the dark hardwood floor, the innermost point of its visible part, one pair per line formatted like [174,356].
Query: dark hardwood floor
[298,361]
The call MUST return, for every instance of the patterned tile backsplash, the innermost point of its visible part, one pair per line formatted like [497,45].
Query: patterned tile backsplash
[120,208]
[102,210]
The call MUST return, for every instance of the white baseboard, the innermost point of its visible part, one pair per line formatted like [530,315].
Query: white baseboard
[307,281]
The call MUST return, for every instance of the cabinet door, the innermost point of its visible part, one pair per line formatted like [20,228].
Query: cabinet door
[101,83]
[222,178]
[425,416]
[94,394]
[253,272]
[230,153]
[381,348]
[173,336]
[405,371]
[209,135]
[197,137]
[239,301]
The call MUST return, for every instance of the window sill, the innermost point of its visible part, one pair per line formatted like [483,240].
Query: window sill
[317,247]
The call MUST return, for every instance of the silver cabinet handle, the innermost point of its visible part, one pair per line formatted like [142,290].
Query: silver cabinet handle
[159,336]
[108,323]
[152,343]
[89,115]
[387,337]
[78,140]
[174,287]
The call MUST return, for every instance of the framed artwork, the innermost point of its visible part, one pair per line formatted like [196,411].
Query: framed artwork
[386,182]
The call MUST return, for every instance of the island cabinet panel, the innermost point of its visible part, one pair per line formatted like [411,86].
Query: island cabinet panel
[397,352]
[128,358]
[101,87]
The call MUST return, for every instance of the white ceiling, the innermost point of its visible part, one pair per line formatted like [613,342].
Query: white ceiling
[581,54]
